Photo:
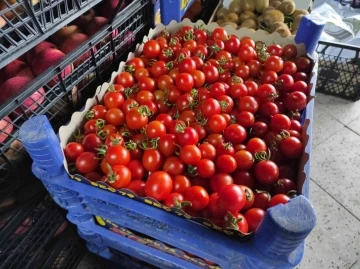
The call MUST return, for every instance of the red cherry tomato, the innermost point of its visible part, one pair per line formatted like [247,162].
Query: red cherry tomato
[197,196]
[278,199]
[254,216]
[232,198]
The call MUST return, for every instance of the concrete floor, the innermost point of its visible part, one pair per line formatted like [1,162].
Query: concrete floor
[334,187]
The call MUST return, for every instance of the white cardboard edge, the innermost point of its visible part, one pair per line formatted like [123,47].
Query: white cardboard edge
[66,131]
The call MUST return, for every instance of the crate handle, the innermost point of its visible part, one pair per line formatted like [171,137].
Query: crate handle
[285,226]
[309,32]
[42,144]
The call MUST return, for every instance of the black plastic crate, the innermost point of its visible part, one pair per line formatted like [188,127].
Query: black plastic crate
[339,69]
[24,239]
[65,88]
[26,23]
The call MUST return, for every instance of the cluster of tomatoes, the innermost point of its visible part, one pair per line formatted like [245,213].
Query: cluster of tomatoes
[202,121]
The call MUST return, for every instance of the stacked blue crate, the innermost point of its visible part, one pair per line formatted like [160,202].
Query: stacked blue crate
[278,242]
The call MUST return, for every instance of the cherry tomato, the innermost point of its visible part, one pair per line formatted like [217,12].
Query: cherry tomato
[155,129]
[93,176]
[113,100]
[200,34]
[199,78]
[158,185]
[278,199]
[219,33]
[214,208]
[247,41]
[248,103]
[242,71]
[275,50]
[246,53]
[72,151]
[190,154]
[134,64]
[86,162]
[186,136]
[266,172]
[201,131]
[284,185]
[280,122]
[261,199]
[125,79]
[97,112]
[137,169]
[303,64]
[250,197]
[117,155]
[245,119]
[256,145]
[146,84]
[226,164]
[115,116]
[173,200]
[269,77]
[232,45]
[267,92]
[244,160]
[151,49]
[291,147]
[210,107]
[91,142]
[244,178]
[225,149]
[205,168]
[216,123]
[220,180]
[259,129]
[119,176]
[181,184]
[173,166]
[211,73]
[217,90]
[254,67]
[268,109]
[232,198]
[197,196]
[184,82]
[301,76]
[254,216]
[140,73]
[235,133]
[166,54]
[236,221]
[289,68]
[152,160]
[187,65]
[290,51]
[137,187]
[208,151]
[238,90]
[137,118]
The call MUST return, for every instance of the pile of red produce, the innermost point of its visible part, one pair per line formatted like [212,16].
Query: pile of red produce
[202,121]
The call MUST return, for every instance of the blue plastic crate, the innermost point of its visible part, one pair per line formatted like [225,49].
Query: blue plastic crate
[278,242]
[173,10]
